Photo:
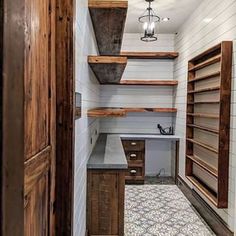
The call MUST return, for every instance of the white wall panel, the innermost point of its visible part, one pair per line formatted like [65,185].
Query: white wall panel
[86,130]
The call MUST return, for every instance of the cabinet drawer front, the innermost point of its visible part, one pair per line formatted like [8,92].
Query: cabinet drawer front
[133,145]
[135,157]
[134,171]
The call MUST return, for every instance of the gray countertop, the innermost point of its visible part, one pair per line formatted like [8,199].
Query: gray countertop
[108,152]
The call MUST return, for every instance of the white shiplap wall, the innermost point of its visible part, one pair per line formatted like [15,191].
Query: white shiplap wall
[140,96]
[212,22]
[85,129]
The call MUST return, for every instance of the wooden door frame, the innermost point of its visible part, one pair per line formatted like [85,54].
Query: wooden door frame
[65,116]
[12,43]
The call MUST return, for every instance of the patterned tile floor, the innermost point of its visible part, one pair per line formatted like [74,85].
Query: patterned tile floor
[161,210]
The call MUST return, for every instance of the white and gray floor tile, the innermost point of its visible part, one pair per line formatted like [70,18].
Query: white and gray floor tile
[161,210]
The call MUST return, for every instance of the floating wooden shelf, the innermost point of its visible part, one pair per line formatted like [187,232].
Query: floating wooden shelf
[204,115]
[203,128]
[107,69]
[203,165]
[206,63]
[206,146]
[215,88]
[203,102]
[150,55]
[212,75]
[108,18]
[204,190]
[150,82]
[122,112]
[220,53]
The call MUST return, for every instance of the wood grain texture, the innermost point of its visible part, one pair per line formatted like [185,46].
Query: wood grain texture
[122,112]
[220,53]
[39,86]
[204,165]
[149,82]
[107,69]
[108,18]
[209,76]
[135,154]
[210,89]
[206,63]
[12,96]
[150,55]
[65,90]
[105,202]
[224,120]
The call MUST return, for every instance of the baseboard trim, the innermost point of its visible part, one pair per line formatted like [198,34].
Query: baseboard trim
[207,213]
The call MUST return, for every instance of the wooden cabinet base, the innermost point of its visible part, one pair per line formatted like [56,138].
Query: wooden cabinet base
[105,202]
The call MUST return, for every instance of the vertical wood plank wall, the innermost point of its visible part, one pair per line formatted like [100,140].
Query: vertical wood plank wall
[86,129]
[211,23]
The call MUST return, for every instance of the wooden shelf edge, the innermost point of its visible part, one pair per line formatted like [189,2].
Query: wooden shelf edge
[206,146]
[203,128]
[215,74]
[203,190]
[121,112]
[107,4]
[206,63]
[106,60]
[204,115]
[211,170]
[204,90]
[150,55]
[203,102]
[149,82]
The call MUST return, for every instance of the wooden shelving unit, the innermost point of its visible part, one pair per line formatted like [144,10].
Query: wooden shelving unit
[150,55]
[122,112]
[208,122]
[107,69]
[108,18]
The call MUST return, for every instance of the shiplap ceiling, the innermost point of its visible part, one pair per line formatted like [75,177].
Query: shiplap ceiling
[177,10]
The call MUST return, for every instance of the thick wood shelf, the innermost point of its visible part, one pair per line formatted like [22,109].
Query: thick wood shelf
[206,146]
[203,128]
[215,88]
[150,55]
[122,112]
[206,63]
[203,165]
[203,190]
[150,82]
[212,75]
[204,115]
[107,69]
[222,71]
[108,18]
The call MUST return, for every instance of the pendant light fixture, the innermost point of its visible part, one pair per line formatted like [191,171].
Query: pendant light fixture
[149,19]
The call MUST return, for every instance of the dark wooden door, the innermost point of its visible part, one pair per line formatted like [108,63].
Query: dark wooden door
[39,108]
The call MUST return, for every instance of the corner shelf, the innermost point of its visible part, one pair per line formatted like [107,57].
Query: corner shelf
[107,69]
[108,18]
[199,171]
[150,55]
[122,112]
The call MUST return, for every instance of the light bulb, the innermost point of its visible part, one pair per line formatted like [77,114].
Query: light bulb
[145,26]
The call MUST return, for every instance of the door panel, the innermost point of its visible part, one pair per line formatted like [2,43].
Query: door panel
[37,79]
[39,108]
